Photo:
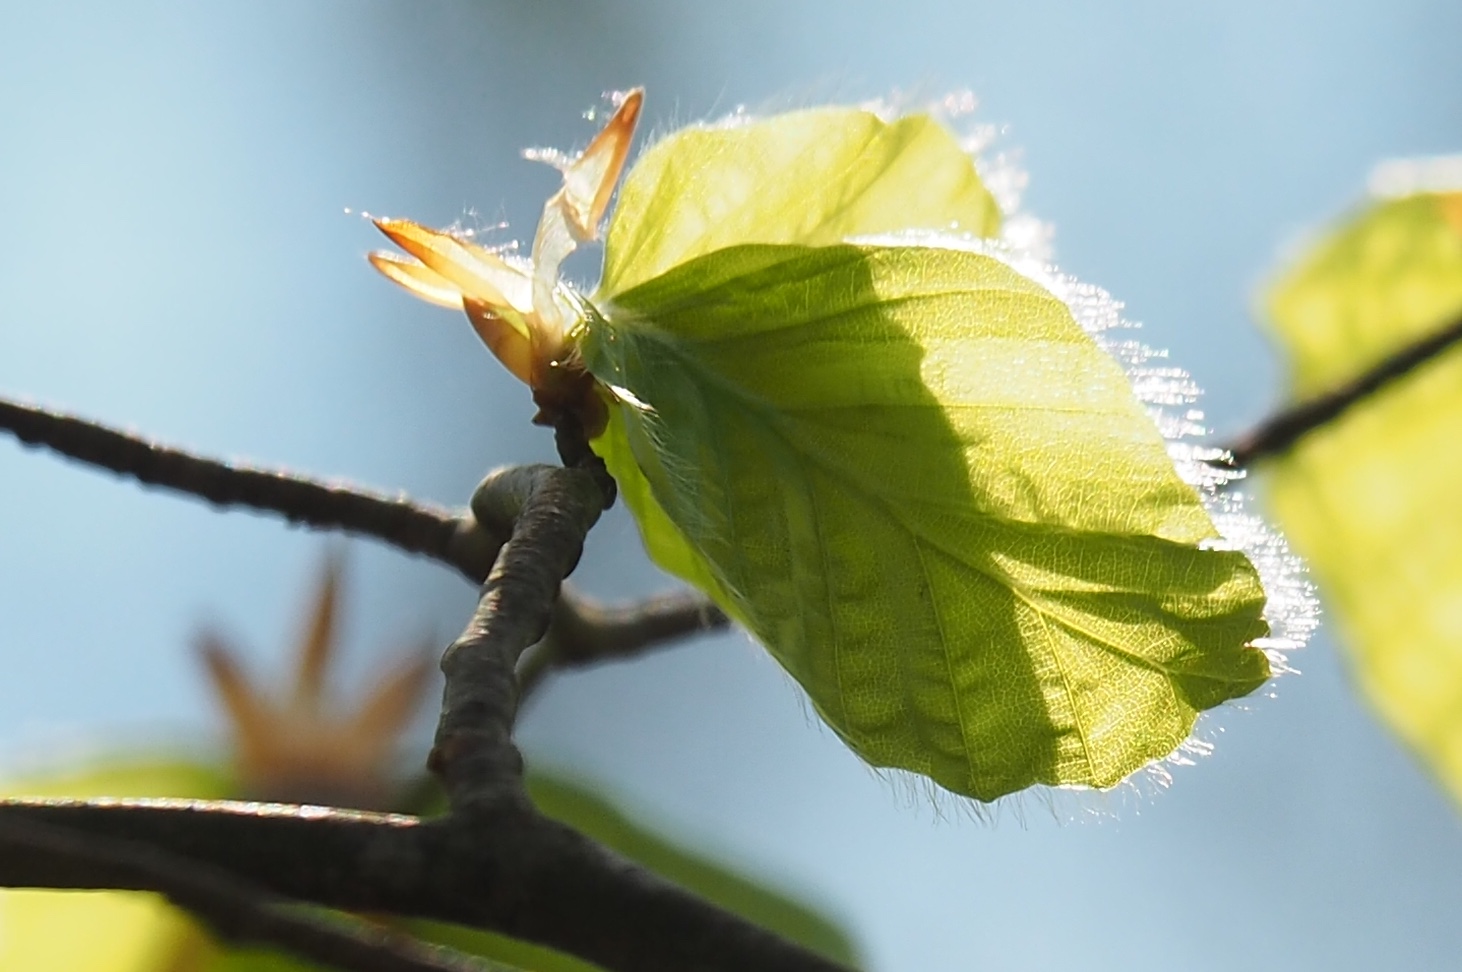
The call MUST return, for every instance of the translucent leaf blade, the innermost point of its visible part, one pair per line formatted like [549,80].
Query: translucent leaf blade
[934,498]
[813,177]
[1390,276]
[1370,499]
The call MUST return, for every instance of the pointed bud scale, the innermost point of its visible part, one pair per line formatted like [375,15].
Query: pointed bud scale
[518,309]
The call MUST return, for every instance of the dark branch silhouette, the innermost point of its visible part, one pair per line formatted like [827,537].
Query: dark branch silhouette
[403,523]
[1276,434]
[234,909]
[452,538]
[502,867]
[585,632]
[493,861]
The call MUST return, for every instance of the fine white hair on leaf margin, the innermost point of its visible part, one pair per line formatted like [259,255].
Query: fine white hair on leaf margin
[1171,398]
[1000,169]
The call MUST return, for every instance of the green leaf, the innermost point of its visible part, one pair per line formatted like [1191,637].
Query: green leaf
[932,496]
[1371,498]
[815,177]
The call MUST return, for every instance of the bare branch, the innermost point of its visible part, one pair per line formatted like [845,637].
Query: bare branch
[234,909]
[452,538]
[403,523]
[1275,435]
[503,867]
[493,862]
[585,632]
[551,511]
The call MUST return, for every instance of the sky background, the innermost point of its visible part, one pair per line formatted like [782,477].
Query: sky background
[177,258]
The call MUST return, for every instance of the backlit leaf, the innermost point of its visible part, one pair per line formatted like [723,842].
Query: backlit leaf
[932,496]
[1371,498]
[815,177]
[902,464]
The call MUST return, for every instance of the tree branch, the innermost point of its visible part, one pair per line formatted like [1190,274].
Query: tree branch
[503,867]
[493,862]
[1275,435]
[584,632]
[403,523]
[233,909]
[421,528]
[550,511]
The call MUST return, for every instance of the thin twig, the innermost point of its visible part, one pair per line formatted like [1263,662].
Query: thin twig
[233,909]
[411,525]
[585,632]
[408,525]
[493,862]
[1276,434]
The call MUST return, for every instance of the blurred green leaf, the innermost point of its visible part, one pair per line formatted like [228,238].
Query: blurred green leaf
[260,960]
[1371,498]
[935,499]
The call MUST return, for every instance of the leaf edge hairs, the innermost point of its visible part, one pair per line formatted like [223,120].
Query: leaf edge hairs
[556,340]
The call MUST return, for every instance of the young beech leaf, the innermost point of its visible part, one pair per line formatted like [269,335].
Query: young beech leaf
[934,499]
[1371,498]
[816,176]
[903,465]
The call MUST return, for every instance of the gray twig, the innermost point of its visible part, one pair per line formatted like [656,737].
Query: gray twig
[1276,434]
[501,867]
[457,540]
[234,909]
[493,862]
[549,511]
[585,632]
[403,523]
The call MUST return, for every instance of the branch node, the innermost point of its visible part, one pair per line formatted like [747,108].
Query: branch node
[548,512]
